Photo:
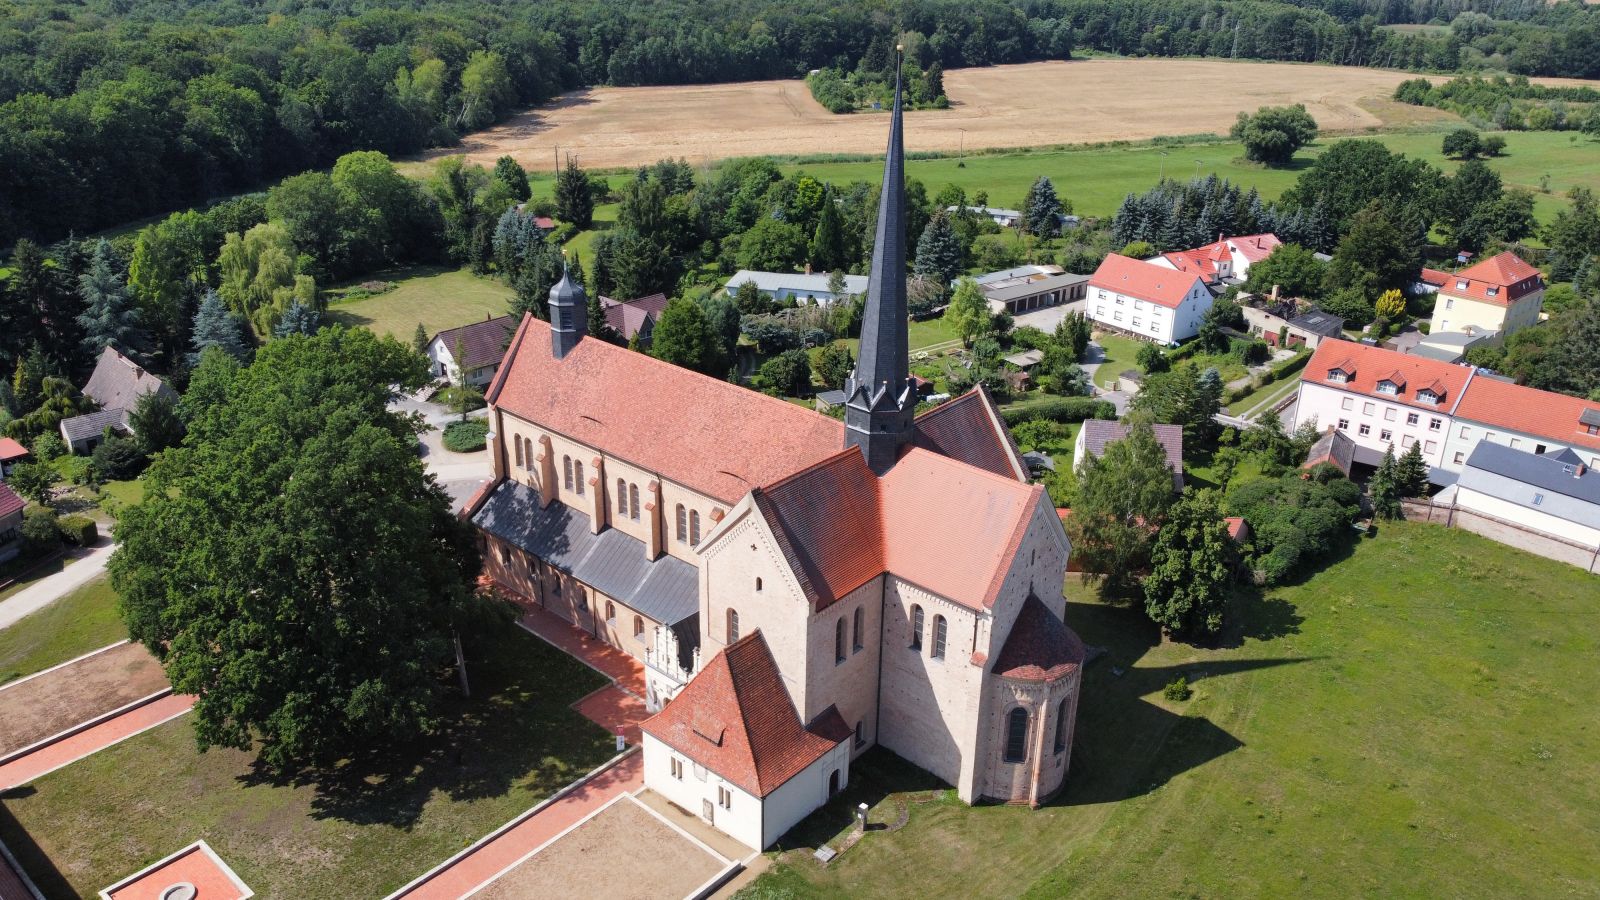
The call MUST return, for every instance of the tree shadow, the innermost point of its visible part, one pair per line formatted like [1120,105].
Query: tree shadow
[1254,615]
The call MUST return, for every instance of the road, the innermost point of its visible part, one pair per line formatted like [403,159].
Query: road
[48,590]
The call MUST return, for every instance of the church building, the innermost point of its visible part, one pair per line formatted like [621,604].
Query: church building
[798,590]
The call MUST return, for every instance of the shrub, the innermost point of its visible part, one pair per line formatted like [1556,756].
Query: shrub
[118,458]
[40,533]
[1060,409]
[80,530]
[453,396]
[1178,689]
[466,437]
[48,446]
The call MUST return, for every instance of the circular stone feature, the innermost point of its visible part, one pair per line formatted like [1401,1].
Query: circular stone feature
[183,890]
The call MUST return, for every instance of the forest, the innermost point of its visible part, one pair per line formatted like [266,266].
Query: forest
[116,110]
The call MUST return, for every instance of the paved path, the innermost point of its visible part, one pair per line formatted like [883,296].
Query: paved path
[92,740]
[51,588]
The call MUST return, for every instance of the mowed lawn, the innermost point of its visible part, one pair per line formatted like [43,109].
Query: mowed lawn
[83,620]
[1417,720]
[1121,354]
[360,831]
[438,298]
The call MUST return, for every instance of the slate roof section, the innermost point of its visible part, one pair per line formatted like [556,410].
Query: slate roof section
[1505,274]
[711,436]
[666,589]
[839,526]
[1040,646]
[1097,433]
[118,382]
[1520,408]
[1030,288]
[92,425]
[736,718]
[969,428]
[10,503]
[1145,281]
[482,343]
[1548,483]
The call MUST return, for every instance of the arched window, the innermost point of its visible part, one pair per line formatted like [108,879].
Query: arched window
[1061,726]
[577,470]
[733,625]
[1017,735]
[683,524]
[940,632]
[694,526]
[622,498]
[633,501]
[916,627]
[638,626]
[758,582]
[566,471]
[856,629]
[838,641]
[516,441]
[611,611]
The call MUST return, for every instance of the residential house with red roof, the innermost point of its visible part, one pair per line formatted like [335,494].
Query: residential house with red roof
[1500,294]
[1225,261]
[10,523]
[1147,300]
[1378,398]
[11,453]
[798,589]
[475,349]
[635,320]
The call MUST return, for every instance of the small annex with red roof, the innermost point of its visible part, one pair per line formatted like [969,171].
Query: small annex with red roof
[1224,260]
[10,523]
[1146,299]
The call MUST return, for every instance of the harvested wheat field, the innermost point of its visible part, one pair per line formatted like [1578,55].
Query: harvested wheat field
[1029,105]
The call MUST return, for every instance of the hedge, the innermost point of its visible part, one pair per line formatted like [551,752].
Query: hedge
[466,437]
[1271,375]
[1060,409]
[79,530]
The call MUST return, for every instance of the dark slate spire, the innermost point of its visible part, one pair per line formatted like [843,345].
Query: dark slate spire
[879,396]
[569,314]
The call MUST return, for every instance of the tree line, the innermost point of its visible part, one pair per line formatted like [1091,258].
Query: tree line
[109,115]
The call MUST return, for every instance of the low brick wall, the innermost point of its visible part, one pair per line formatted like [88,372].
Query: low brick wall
[1546,545]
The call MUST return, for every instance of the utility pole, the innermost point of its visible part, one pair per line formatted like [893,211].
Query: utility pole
[1163,176]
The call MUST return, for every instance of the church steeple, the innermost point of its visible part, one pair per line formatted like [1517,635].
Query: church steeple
[879,397]
[569,313]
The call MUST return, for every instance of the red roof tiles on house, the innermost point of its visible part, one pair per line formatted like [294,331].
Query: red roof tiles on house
[1516,407]
[736,718]
[1040,646]
[1145,281]
[969,428]
[1203,260]
[1501,279]
[10,503]
[1367,366]
[11,450]
[840,526]
[704,433]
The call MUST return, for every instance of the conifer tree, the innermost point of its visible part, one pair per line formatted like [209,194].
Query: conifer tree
[1411,473]
[419,340]
[1385,487]
[1042,208]
[108,318]
[939,250]
[574,201]
[828,248]
[215,326]
[297,319]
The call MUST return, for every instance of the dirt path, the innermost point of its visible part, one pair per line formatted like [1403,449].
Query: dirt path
[47,704]
[1033,104]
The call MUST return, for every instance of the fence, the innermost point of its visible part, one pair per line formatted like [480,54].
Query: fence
[1542,543]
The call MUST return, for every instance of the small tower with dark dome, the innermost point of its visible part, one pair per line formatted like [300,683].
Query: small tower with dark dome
[569,314]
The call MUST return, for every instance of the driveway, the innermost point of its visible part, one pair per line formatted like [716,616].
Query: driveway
[1048,318]
[80,570]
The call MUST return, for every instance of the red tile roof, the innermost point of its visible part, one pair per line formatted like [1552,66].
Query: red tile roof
[840,526]
[10,450]
[10,503]
[1369,365]
[482,343]
[1238,528]
[1146,281]
[709,435]
[628,316]
[1203,260]
[736,718]
[1435,277]
[969,428]
[1505,273]
[544,222]
[1516,407]
[1040,646]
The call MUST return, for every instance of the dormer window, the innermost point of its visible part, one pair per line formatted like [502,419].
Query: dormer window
[1388,387]
[1339,376]
[1427,396]
[1494,291]
[1461,285]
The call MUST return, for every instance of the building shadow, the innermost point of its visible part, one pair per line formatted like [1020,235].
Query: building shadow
[44,874]
[876,776]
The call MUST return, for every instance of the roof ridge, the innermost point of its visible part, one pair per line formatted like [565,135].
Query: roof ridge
[1013,544]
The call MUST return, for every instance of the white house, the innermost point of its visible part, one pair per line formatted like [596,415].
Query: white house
[1522,418]
[1147,300]
[803,287]
[1226,260]
[481,344]
[1554,493]
[730,747]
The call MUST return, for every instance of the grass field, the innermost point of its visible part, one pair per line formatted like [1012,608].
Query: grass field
[1417,720]
[1121,354]
[359,831]
[83,620]
[438,298]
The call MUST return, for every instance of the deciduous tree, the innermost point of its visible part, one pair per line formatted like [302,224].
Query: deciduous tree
[1191,562]
[1274,133]
[1122,501]
[968,312]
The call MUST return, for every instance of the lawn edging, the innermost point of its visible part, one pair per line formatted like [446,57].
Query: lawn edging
[489,838]
[83,726]
[61,665]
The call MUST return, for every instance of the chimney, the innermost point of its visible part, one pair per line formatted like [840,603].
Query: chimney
[1275,294]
